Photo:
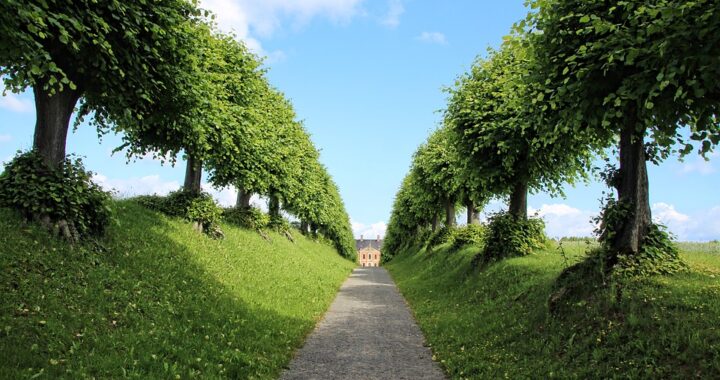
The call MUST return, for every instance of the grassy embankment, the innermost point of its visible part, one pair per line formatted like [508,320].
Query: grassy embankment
[494,322]
[158,300]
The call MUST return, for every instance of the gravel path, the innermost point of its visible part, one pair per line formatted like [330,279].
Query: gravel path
[368,333]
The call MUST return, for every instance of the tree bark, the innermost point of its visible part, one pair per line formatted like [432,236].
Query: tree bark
[193,175]
[52,122]
[243,199]
[633,190]
[518,200]
[449,213]
[435,222]
[304,227]
[473,217]
[274,206]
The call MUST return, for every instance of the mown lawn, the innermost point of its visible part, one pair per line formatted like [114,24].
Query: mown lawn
[494,322]
[157,300]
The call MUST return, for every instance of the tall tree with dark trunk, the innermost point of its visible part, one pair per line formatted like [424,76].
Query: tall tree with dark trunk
[436,174]
[116,56]
[193,175]
[53,113]
[473,216]
[502,148]
[450,213]
[243,198]
[634,72]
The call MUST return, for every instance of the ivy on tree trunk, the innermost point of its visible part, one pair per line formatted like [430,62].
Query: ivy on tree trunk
[53,119]
[633,190]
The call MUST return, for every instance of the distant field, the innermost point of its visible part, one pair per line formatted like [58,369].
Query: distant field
[494,322]
[155,299]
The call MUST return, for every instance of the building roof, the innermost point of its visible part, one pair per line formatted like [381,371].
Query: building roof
[366,243]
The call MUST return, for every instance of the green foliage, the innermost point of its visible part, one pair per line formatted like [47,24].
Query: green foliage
[203,209]
[118,56]
[509,236]
[440,236]
[279,224]
[499,135]
[196,208]
[494,323]
[471,234]
[246,217]
[607,62]
[65,196]
[155,300]
[658,254]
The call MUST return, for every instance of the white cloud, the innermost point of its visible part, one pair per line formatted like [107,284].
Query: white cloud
[128,187]
[700,226]
[432,38]
[5,138]
[248,18]
[564,220]
[15,103]
[371,231]
[395,10]
[666,214]
[698,165]
[227,197]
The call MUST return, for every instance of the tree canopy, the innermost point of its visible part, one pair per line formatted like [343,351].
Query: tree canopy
[629,71]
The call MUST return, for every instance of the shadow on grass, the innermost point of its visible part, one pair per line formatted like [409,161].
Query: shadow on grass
[143,307]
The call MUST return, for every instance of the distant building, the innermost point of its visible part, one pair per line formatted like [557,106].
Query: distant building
[368,251]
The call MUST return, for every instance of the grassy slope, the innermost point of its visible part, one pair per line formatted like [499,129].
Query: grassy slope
[494,322]
[161,302]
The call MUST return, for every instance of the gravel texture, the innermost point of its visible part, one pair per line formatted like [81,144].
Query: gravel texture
[368,333]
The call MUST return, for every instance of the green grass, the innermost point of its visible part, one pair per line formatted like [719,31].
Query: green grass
[158,300]
[494,322]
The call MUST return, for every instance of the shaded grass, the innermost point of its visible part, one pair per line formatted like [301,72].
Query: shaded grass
[157,300]
[493,322]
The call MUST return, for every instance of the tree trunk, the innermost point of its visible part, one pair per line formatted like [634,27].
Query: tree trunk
[274,206]
[518,200]
[633,189]
[193,175]
[53,114]
[473,217]
[435,222]
[304,227]
[243,199]
[449,213]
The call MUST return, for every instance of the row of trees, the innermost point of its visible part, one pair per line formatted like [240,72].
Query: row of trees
[161,75]
[573,79]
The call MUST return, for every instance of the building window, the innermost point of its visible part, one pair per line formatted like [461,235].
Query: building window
[363,256]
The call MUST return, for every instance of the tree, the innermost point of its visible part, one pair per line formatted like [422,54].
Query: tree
[631,73]
[500,139]
[116,56]
[436,173]
[202,111]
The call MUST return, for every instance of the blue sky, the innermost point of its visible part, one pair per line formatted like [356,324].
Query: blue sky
[367,77]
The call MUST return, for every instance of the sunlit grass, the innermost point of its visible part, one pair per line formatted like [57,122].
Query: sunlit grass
[493,322]
[158,300]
